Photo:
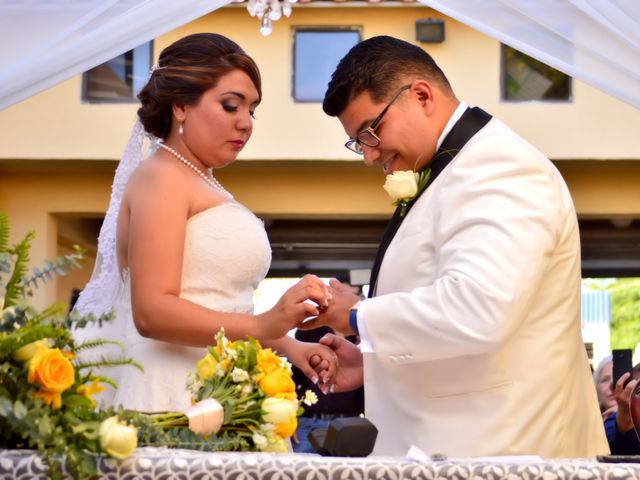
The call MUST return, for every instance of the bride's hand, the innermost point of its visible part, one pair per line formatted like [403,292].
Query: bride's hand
[293,308]
[325,364]
[318,362]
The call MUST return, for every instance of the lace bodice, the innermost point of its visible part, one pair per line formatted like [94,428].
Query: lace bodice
[226,255]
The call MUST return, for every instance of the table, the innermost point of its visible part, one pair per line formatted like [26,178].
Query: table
[159,463]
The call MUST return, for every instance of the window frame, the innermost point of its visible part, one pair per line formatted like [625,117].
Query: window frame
[84,98]
[315,29]
[503,90]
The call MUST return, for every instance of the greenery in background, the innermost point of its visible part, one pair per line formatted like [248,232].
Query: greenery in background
[625,309]
[520,69]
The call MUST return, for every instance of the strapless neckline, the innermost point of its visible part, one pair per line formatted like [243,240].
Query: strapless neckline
[213,208]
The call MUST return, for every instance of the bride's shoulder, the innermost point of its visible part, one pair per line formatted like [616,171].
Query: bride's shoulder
[157,179]
[156,172]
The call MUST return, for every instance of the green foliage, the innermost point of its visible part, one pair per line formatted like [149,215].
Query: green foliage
[625,309]
[65,435]
[14,288]
[625,313]
[14,261]
[59,267]
[4,232]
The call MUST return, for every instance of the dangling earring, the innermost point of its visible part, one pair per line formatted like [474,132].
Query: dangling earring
[180,130]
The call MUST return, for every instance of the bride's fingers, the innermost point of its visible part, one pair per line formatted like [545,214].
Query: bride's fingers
[311,374]
[323,365]
[312,288]
[303,311]
[326,382]
[311,324]
[314,293]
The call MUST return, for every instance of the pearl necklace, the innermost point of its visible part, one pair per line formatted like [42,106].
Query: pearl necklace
[209,179]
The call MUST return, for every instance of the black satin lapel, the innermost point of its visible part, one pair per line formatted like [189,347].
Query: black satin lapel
[470,123]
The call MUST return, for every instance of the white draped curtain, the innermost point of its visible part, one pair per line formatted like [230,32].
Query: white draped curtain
[43,42]
[596,41]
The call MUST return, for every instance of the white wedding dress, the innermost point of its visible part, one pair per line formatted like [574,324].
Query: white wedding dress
[226,256]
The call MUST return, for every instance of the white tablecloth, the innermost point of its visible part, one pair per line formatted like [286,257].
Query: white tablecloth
[159,463]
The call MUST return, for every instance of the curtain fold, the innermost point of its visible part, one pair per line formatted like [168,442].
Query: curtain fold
[44,42]
[596,41]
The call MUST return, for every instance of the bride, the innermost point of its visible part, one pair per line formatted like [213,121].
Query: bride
[178,257]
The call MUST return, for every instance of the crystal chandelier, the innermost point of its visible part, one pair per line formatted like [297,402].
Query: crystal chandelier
[269,11]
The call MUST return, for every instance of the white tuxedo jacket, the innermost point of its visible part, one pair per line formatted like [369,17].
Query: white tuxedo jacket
[476,320]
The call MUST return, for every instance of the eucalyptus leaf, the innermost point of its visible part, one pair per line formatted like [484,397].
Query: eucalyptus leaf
[19,409]
[44,426]
[6,407]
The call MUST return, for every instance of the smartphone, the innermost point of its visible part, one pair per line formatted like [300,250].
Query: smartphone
[621,364]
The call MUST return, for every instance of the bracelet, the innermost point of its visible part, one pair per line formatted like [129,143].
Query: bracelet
[353,317]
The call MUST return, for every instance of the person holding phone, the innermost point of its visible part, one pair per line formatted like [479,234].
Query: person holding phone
[614,404]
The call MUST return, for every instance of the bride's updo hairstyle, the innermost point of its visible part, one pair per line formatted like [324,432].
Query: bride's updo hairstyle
[186,69]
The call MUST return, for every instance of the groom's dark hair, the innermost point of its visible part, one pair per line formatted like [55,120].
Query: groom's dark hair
[379,66]
[186,69]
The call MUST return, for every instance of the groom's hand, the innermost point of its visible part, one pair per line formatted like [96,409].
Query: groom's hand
[336,314]
[350,373]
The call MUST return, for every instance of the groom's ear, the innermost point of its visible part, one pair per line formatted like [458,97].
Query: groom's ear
[423,90]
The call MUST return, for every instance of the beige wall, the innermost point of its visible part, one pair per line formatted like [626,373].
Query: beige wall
[292,165]
[593,125]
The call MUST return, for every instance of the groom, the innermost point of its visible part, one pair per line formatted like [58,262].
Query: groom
[470,340]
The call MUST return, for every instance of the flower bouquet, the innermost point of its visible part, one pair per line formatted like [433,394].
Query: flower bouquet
[45,391]
[242,393]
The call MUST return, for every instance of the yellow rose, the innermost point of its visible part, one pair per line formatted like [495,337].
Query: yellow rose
[52,371]
[282,413]
[401,185]
[275,382]
[26,353]
[206,367]
[117,439]
[268,360]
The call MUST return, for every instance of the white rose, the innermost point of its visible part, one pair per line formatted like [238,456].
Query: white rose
[205,417]
[117,439]
[401,185]
[278,410]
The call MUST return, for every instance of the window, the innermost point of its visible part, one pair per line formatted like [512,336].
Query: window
[316,54]
[525,78]
[120,79]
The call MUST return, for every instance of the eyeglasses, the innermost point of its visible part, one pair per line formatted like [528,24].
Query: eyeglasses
[368,136]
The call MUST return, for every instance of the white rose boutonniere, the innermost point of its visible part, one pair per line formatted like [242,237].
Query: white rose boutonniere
[404,186]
